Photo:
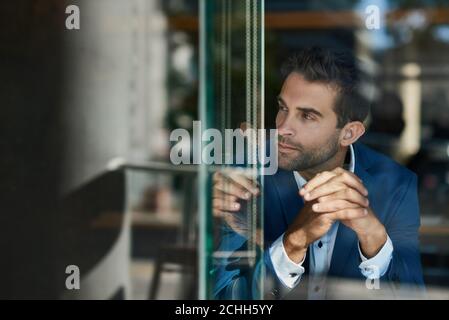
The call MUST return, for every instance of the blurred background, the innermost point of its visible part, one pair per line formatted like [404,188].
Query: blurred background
[86,115]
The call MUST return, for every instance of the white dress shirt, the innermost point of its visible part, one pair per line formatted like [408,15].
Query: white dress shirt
[320,252]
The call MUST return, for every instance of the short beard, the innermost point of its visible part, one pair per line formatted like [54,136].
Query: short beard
[309,159]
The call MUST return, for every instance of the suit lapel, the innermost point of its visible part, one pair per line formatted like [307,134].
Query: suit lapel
[346,240]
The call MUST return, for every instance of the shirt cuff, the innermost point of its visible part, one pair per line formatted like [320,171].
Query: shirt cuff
[288,272]
[377,266]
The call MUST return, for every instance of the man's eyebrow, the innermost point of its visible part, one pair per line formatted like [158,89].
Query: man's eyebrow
[280,100]
[310,110]
[303,109]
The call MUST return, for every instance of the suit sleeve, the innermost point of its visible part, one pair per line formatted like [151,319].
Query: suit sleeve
[403,228]
[235,279]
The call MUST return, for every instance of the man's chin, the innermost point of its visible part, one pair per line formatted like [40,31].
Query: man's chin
[285,164]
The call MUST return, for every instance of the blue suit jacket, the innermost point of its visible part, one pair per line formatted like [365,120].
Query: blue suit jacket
[393,197]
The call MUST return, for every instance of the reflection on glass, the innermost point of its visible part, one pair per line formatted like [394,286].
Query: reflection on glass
[406,73]
[231,98]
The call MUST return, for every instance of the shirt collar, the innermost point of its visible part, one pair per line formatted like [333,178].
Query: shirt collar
[300,181]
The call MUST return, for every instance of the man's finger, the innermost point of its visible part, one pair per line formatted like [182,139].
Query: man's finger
[316,181]
[233,189]
[225,197]
[351,213]
[218,213]
[217,177]
[324,190]
[335,205]
[341,175]
[352,181]
[349,194]
[223,205]
[243,181]
[237,176]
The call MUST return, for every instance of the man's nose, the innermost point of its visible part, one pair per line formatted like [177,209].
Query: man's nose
[284,128]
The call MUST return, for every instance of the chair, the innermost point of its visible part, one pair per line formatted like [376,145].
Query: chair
[96,237]
[184,253]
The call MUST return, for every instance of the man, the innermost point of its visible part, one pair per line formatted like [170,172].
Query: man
[335,208]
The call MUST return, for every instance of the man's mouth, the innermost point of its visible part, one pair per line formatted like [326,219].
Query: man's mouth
[286,147]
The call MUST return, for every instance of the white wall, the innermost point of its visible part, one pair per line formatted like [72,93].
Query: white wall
[115,87]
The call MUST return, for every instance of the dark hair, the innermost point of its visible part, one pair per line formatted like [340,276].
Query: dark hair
[336,68]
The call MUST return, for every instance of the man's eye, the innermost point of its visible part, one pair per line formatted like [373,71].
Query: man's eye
[307,116]
[282,108]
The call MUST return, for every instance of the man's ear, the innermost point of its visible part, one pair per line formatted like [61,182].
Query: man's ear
[351,132]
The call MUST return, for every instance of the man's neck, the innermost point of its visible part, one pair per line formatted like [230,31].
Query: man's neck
[329,165]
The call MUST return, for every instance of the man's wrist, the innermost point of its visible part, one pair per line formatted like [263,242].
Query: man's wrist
[295,245]
[371,242]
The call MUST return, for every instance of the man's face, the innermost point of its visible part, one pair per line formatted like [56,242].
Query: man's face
[307,124]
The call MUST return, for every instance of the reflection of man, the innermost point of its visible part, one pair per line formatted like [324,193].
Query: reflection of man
[358,222]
